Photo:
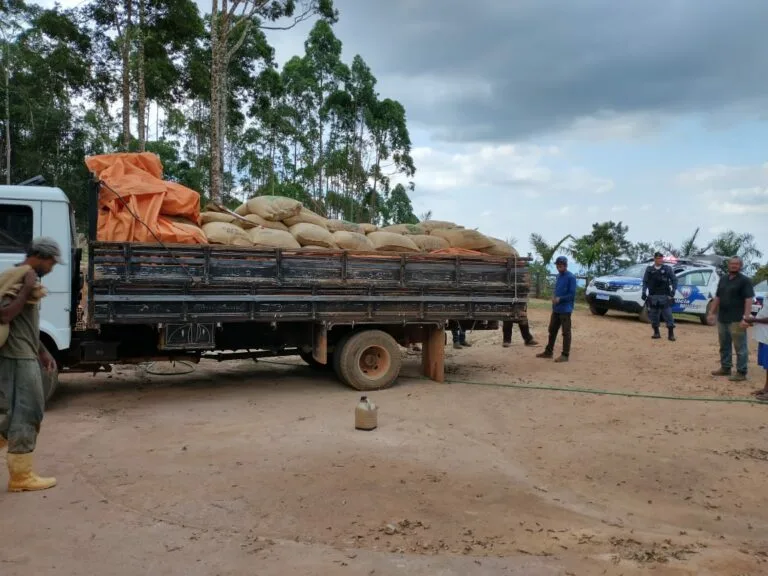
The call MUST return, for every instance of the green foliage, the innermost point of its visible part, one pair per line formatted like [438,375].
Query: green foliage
[740,244]
[760,274]
[316,130]
[604,249]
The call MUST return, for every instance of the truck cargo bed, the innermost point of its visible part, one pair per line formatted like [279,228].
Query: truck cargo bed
[132,283]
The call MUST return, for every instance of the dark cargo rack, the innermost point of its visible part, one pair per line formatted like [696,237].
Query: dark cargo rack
[144,283]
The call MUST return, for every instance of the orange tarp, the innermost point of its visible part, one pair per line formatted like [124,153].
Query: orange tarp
[160,204]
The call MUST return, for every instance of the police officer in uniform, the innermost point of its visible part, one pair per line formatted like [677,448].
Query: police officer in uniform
[659,286]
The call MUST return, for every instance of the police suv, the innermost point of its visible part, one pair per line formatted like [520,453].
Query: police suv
[696,287]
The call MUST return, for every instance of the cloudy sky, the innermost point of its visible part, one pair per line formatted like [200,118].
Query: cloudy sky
[548,115]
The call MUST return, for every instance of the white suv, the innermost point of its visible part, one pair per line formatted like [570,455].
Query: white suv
[696,288]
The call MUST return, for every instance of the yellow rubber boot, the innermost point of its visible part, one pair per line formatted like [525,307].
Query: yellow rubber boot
[22,478]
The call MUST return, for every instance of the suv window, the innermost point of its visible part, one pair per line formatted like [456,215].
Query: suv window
[700,278]
[16,223]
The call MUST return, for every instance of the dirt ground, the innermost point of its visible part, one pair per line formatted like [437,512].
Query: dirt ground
[255,469]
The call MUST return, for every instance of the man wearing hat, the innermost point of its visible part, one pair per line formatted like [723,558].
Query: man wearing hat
[21,357]
[562,308]
[659,286]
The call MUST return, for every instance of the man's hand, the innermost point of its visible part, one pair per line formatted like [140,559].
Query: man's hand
[744,323]
[49,364]
[644,296]
[555,300]
[711,318]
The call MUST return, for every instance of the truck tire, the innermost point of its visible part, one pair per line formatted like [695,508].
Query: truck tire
[644,315]
[312,363]
[50,383]
[368,360]
[598,311]
[50,379]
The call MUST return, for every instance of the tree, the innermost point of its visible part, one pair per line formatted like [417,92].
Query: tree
[640,252]
[231,22]
[545,252]
[761,274]
[604,249]
[741,244]
[399,207]
[687,249]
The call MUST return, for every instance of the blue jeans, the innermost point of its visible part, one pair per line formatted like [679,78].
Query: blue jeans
[732,336]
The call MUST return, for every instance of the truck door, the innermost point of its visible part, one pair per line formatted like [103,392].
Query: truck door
[692,293]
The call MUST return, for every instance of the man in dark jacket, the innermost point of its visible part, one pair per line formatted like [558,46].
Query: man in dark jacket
[659,286]
[562,308]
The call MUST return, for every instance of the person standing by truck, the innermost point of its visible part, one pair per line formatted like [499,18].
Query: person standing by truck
[659,287]
[760,333]
[525,332]
[21,385]
[732,307]
[562,309]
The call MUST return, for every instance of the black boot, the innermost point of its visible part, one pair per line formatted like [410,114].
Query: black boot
[671,335]
[656,333]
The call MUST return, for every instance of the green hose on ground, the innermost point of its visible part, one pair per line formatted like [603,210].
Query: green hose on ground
[609,392]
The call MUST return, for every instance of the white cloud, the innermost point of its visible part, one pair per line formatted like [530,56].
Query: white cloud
[618,209]
[731,190]
[508,168]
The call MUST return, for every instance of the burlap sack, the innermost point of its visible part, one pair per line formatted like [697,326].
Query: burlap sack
[312,235]
[306,216]
[430,225]
[430,243]
[391,242]
[405,229]
[259,221]
[242,210]
[368,228]
[229,234]
[315,248]
[352,241]
[274,208]
[344,226]
[208,217]
[270,238]
[499,248]
[467,239]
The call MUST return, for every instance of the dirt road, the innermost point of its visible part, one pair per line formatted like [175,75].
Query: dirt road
[256,469]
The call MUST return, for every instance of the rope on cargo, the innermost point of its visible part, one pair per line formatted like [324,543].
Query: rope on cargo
[138,219]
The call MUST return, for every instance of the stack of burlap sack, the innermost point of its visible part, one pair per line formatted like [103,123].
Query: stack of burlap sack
[279,222]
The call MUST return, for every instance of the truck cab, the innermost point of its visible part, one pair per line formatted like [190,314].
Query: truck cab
[25,213]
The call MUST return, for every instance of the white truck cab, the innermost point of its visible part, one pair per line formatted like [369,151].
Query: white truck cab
[25,213]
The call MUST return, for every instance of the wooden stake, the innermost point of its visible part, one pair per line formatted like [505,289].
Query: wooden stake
[433,353]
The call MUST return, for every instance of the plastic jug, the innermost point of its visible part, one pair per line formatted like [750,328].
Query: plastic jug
[366,415]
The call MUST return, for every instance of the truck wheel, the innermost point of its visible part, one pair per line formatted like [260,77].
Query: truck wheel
[368,360]
[598,311]
[644,315]
[50,380]
[705,318]
[50,383]
[310,360]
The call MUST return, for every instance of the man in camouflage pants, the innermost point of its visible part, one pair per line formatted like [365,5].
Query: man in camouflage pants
[22,399]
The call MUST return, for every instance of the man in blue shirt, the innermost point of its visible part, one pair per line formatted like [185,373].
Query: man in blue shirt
[562,308]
